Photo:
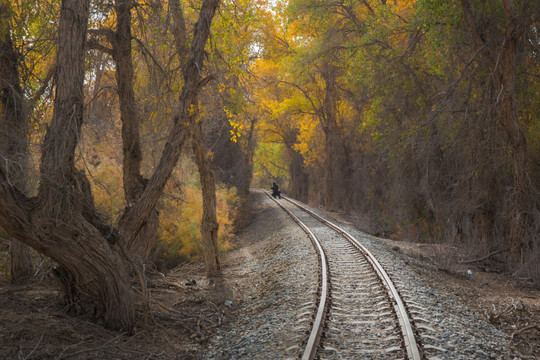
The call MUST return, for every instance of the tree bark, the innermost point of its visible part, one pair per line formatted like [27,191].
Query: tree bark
[209,223]
[521,216]
[140,247]
[179,32]
[21,266]
[13,136]
[133,183]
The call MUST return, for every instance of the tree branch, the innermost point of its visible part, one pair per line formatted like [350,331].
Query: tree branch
[135,216]
[95,45]
[145,50]
[317,110]
[41,90]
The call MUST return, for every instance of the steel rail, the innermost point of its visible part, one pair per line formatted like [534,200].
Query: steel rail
[314,339]
[411,345]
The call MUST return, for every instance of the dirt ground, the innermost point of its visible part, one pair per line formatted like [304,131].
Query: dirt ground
[184,316]
[186,310]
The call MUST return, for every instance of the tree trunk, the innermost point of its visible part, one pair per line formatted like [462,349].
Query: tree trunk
[250,153]
[299,178]
[328,129]
[96,278]
[140,247]
[13,136]
[133,183]
[521,219]
[209,224]
[179,32]
[336,172]
[96,109]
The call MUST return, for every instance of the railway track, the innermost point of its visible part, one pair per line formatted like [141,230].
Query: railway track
[359,313]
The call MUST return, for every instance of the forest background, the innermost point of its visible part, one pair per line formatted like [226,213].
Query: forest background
[420,118]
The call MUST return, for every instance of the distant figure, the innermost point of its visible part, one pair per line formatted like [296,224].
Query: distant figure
[275,191]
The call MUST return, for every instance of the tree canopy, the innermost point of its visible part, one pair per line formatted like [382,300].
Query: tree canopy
[419,115]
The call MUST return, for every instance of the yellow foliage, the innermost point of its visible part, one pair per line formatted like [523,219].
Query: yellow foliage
[107,187]
[310,142]
[180,215]
[179,230]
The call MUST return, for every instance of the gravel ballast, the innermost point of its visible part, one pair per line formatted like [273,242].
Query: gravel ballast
[277,270]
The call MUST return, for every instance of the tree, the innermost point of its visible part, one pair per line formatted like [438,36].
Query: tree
[209,224]
[119,40]
[61,221]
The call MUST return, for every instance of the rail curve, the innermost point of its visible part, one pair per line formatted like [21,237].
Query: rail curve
[324,299]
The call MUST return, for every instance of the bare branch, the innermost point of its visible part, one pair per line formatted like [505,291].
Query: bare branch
[95,45]
[39,93]
[146,51]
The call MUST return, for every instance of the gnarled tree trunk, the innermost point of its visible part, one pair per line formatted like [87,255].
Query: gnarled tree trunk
[13,136]
[96,275]
[140,247]
[61,221]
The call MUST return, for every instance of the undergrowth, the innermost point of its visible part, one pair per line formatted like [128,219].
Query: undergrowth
[180,210]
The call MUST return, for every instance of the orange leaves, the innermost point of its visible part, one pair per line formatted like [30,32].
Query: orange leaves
[310,143]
